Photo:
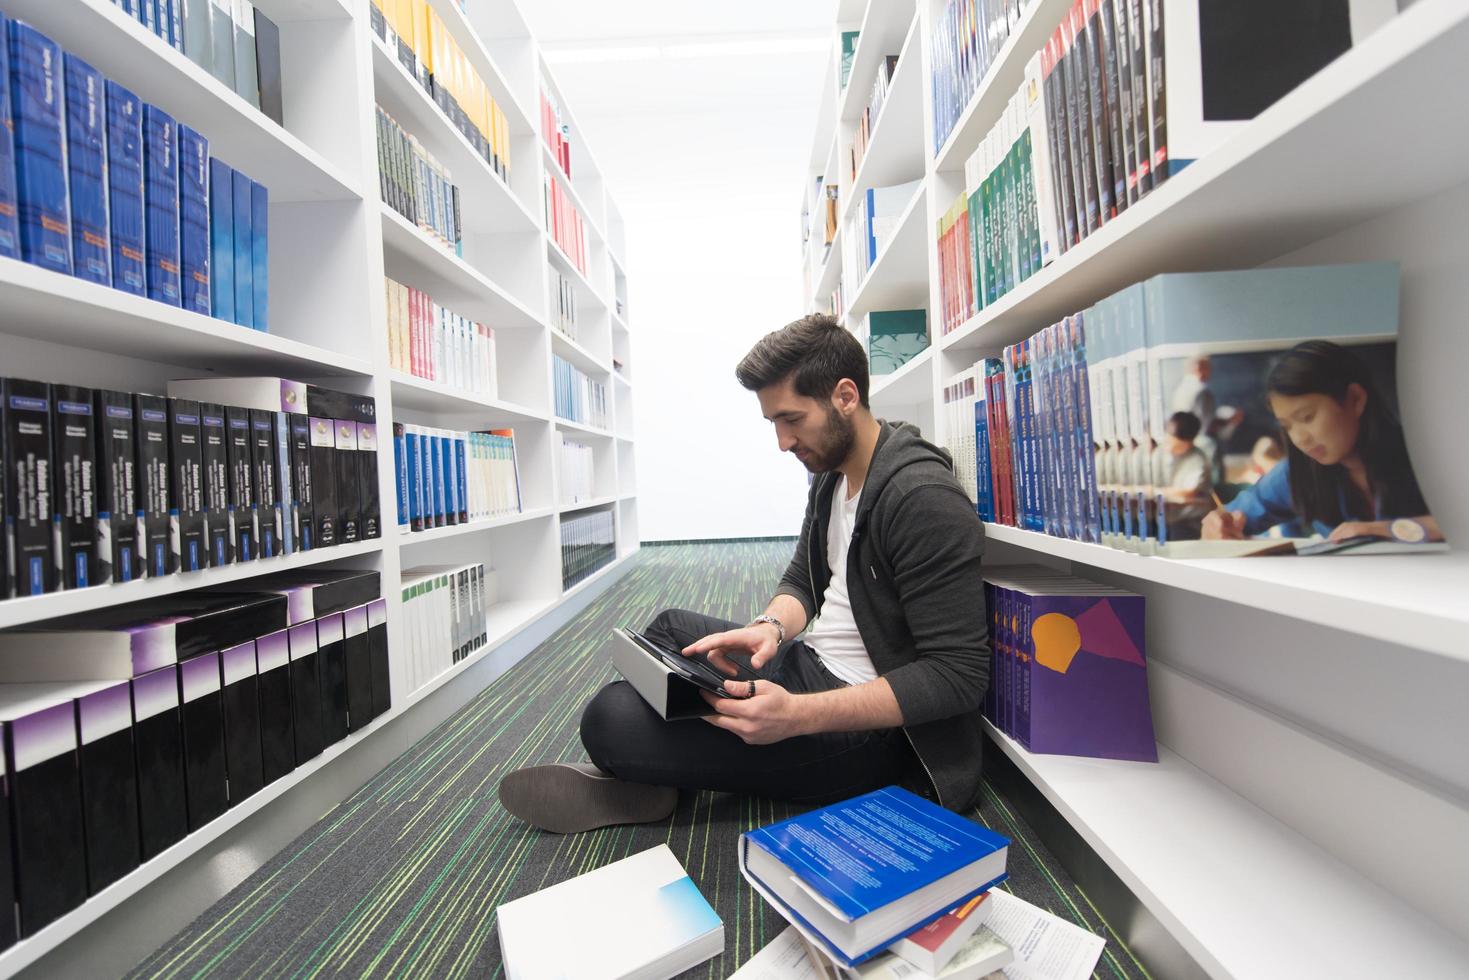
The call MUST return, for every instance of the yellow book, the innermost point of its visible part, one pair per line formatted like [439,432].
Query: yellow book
[421,40]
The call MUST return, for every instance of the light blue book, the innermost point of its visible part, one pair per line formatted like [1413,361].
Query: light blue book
[244,249]
[222,240]
[260,255]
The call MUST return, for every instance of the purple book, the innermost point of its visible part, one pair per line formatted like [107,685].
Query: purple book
[1084,684]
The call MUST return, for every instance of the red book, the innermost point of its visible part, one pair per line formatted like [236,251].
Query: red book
[933,946]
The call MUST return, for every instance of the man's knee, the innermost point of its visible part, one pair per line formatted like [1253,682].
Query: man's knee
[663,621]
[608,718]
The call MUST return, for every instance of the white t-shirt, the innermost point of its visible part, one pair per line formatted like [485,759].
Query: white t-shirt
[834,635]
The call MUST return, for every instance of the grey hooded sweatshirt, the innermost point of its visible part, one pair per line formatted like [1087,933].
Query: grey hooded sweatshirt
[913,574]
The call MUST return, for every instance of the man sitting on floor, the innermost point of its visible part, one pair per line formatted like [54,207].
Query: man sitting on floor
[884,687]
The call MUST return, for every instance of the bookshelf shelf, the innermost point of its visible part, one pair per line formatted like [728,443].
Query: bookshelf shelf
[440,534]
[619,322]
[411,255]
[578,505]
[591,297]
[831,269]
[427,396]
[909,384]
[586,430]
[619,379]
[1414,600]
[489,206]
[1294,924]
[899,278]
[883,28]
[123,49]
[1263,194]
[36,609]
[578,355]
[895,148]
[61,309]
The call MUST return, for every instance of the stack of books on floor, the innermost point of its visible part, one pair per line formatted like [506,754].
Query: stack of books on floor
[887,884]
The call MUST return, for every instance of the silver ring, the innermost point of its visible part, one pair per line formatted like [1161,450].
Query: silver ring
[752,690]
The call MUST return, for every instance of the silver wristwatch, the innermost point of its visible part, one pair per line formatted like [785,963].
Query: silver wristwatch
[779,626]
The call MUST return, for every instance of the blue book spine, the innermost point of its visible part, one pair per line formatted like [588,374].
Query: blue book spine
[447,481]
[125,189]
[462,492]
[260,255]
[87,171]
[175,22]
[400,473]
[9,227]
[436,479]
[982,460]
[143,10]
[411,474]
[161,195]
[221,240]
[194,221]
[40,153]
[244,279]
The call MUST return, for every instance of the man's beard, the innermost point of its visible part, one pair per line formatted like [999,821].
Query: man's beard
[837,439]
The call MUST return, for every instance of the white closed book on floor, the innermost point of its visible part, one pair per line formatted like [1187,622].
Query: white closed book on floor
[641,917]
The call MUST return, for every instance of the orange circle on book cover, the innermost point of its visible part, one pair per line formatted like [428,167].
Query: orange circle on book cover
[1057,639]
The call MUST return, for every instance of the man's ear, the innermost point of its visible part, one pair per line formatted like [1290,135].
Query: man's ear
[844,397]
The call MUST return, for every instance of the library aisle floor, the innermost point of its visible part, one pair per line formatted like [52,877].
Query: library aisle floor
[403,878]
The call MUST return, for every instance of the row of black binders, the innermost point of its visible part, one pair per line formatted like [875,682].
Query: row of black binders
[108,486]
[126,730]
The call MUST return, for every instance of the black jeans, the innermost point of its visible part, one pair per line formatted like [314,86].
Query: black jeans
[625,737]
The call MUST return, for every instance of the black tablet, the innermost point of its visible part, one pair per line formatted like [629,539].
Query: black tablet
[695,670]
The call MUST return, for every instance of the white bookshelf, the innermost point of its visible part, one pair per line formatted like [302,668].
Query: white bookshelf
[332,242]
[1304,709]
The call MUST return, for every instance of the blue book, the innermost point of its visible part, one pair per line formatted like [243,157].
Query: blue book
[221,239]
[194,266]
[161,196]
[125,189]
[244,262]
[400,473]
[410,476]
[436,478]
[871,869]
[40,162]
[175,21]
[9,228]
[463,489]
[985,502]
[87,171]
[143,10]
[260,255]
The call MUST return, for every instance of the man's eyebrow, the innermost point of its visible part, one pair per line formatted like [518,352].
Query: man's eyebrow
[788,414]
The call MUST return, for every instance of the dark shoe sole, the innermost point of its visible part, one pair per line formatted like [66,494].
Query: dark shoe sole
[566,800]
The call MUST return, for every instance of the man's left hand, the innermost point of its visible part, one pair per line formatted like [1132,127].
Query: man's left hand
[772,715]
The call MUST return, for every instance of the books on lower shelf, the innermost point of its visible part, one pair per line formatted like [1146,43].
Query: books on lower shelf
[578,398]
[575,471]
[873,111]
[416,185]
[856,876]
[417,36]
[1069,671]
[641,916]
[431,342]
[102,186]
[152,720]
[446,477]
[564,222]
[588,544]
[445,617]
[1204,415]
[1123,94]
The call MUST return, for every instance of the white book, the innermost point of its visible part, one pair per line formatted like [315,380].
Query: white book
[222,41]
[981,955]
[641,917]
[247,76]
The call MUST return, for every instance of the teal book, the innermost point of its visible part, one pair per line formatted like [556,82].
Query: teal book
[894,337]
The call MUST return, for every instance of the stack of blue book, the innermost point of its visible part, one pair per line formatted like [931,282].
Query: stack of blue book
[97,184]
[857,876]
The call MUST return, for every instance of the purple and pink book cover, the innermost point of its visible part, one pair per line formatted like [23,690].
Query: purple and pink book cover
[1089,678]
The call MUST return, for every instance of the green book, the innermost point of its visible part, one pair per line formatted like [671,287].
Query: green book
[895,337]
[849,48]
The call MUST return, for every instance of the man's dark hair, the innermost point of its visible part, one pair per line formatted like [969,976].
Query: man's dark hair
[815,351]
[1184,425]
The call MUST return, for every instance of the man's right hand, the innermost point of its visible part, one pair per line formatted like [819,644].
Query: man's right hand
[759,641]
[1223,525]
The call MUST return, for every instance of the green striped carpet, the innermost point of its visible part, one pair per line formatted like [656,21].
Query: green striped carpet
[403,878]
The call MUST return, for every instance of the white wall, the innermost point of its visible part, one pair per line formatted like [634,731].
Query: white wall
[706,159]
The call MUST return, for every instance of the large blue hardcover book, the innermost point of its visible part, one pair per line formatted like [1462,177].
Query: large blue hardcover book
[9,228]
[194,266]
[40,152]
[244,260]
[161,195]
[125,189]
[861,855]
[222,239]
[86,165]
[260,255]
